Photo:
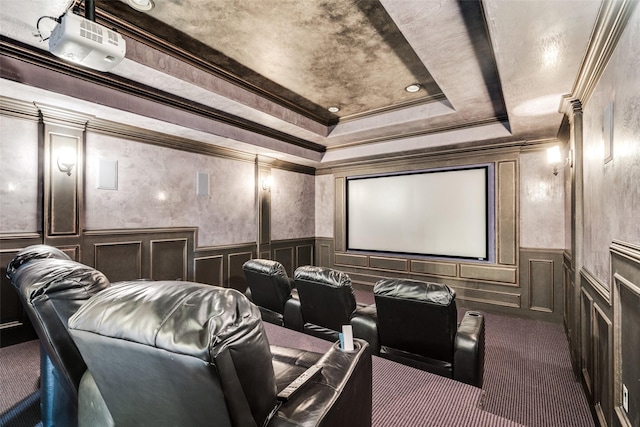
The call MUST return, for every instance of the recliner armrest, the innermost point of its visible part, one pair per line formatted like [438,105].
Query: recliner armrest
[293,314]
[339,395]
[365,326]
[468,357]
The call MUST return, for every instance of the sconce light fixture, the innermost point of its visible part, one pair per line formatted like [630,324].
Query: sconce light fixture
[267,183]
[554,157]
[66,160]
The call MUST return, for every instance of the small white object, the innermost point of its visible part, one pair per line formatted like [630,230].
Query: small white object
[87,43]
[202,184]
[625,398]
[347,332]
[107,174]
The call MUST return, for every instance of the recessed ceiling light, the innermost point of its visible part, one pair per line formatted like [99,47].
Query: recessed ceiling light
[142,5]
[412,88]
[333,109]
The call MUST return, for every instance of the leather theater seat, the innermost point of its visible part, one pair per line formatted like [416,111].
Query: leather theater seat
[177,353]
[326,301]
[51,287]
[415,323]
[270,289]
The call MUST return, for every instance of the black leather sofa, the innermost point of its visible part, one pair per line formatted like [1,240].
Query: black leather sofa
[270,289]
[415,323]
[178,353]
[326,301]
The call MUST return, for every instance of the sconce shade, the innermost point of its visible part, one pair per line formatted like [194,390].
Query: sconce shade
[267,183]
[553,155]
[66,160]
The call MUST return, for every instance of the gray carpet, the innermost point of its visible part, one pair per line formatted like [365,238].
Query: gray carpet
[19,396]
[528,381]
[528,375]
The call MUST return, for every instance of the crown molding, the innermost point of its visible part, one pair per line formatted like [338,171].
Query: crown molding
[42,59]
[610,24]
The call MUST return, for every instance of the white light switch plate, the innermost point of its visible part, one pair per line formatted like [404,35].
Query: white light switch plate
[625,398]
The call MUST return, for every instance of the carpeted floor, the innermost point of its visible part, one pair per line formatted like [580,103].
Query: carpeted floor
[528,381]
[19,395]
[528,376]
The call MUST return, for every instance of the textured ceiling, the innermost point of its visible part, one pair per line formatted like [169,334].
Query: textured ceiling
[313,54]
[259,76]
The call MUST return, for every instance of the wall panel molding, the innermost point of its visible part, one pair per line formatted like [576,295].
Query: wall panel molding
[15,325]
[625,276]
[119,260]
[168,259]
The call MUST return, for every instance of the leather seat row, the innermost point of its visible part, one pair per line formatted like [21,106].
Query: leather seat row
[411,322]
[147,353]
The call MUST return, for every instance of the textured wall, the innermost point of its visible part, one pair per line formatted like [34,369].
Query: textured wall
[157,188]
[19,205]
[325,189]
[541,203]
[292,205]
[612,190]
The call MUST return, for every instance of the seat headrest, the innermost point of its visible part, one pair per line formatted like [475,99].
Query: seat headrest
[265,266]
[167,326]
[324,275]
[189,318]
[34,252]
[433,293]
[56,278]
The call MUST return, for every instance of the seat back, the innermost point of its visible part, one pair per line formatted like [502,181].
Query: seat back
[326,296]
[177,353]
[51,288]
[416,317]
[268,282]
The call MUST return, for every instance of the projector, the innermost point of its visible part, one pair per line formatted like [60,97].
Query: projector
[87,43]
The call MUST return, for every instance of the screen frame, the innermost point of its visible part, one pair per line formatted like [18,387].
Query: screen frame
[490,214]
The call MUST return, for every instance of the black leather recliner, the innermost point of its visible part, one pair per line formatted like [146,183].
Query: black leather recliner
[51,288]
[181,353]
[165,341]
[415,323]
[326,301]
[269,288]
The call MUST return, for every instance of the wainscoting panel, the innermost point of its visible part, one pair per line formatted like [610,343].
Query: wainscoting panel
[603,364]
[235,274]
[293,253]
[285,257]
[433,268]
[15,326]
[169,259]
[506,275]
[209,270]
[586,322]
[323,252]
[119,261]
[351,260]
[129,254]
[394,264]
[625,271]
[541,284]
[304,255]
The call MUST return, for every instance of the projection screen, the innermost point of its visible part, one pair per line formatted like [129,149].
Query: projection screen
[434,213]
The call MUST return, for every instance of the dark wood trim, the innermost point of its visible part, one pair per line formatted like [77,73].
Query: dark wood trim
[43,59]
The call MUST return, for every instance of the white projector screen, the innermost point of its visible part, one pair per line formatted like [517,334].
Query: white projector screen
[434,213]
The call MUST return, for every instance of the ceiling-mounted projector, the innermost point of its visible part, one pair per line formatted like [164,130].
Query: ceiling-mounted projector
[86,43]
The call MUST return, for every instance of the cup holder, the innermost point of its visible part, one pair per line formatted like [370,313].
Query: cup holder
[356,347]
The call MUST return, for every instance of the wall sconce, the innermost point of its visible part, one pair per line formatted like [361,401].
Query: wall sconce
[267,183]
[66,159]
[554,157]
